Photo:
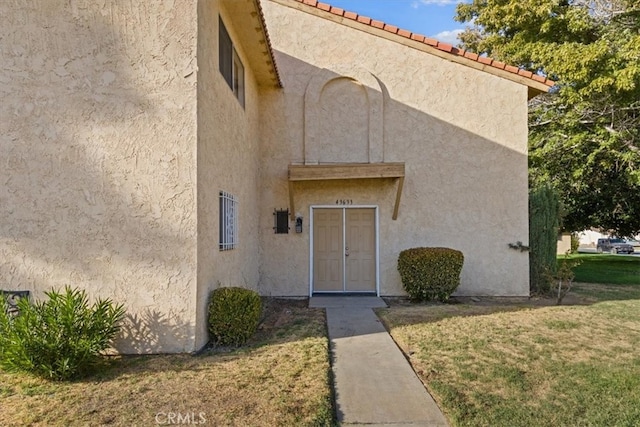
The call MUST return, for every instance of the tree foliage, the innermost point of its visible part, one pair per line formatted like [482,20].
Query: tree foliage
[585,136]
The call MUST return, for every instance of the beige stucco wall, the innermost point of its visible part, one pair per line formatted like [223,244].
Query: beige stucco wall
[461,132]
[564,243]
[227,161]
[98,158]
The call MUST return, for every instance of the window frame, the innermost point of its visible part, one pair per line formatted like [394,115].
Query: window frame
[228,221]
[230,64]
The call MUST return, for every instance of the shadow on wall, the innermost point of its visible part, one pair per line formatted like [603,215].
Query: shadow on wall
[95,192]
[465,186]
[152,332]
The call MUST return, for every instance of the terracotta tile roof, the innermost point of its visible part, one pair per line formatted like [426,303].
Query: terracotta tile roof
[268,41]
[445,47]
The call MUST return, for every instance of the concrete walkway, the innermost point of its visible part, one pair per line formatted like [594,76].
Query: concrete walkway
[373,382]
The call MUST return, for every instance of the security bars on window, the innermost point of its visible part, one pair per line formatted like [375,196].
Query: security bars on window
[228,221]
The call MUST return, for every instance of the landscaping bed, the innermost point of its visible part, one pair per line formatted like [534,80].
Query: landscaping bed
[280,378]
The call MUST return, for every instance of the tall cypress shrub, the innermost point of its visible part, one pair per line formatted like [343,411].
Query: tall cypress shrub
[544,224]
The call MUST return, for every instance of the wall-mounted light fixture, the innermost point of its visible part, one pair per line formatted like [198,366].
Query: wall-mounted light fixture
[298,224]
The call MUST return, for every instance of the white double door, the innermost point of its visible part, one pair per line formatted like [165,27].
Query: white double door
[344,250]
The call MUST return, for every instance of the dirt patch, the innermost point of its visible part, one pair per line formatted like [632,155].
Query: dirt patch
[277,312]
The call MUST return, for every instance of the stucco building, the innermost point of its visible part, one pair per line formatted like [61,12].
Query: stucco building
[153,151]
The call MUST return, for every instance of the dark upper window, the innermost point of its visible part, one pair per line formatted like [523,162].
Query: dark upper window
[231,67]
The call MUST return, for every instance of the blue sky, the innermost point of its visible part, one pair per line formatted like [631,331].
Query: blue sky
[433,18]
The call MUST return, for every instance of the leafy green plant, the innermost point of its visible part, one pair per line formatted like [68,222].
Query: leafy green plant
[575,242]
[565,276]
[61,338]
[430,273]
[234,314]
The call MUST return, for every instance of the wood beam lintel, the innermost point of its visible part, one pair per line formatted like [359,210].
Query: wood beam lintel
[325,172]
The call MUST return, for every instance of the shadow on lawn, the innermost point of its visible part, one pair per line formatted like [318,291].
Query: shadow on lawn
[598,292]
[405,313]
[410,313]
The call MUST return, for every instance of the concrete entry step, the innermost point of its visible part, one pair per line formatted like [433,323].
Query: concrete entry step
[341,301]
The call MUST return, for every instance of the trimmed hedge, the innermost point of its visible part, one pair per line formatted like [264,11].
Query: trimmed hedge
[430,273]
[234,314]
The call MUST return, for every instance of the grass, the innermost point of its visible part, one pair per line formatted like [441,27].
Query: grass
[281,378]
[529,364]
[610,269]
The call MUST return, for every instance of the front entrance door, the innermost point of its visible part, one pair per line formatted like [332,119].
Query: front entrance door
[344,250]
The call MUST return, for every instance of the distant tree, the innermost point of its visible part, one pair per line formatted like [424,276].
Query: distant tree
[584,137]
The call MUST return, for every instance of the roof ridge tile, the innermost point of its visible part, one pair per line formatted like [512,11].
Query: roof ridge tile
[445,46]
[377,24]
[391,28]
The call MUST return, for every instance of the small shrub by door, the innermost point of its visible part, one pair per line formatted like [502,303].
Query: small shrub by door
[234,314]
[430,273]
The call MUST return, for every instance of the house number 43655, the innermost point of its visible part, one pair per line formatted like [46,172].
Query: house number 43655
[344,202]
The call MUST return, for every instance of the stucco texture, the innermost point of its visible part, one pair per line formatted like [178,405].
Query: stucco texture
[461,132]
[228,137]
[98,158]
[118,133]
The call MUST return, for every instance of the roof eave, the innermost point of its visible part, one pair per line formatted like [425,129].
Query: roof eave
[252,31]
[267,40]
[533,92]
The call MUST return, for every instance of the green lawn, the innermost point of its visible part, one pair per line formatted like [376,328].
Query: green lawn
[613,269]
[531,363]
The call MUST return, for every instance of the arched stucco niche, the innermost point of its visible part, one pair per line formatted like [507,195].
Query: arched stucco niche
[343,117]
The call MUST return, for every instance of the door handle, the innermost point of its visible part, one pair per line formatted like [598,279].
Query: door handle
[346,249]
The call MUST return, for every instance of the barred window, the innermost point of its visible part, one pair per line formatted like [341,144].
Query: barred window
[228,221]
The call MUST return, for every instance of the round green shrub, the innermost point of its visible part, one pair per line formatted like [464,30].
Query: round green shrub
[234,314]
[61,338]
[430,273]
